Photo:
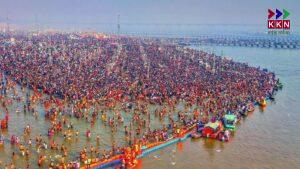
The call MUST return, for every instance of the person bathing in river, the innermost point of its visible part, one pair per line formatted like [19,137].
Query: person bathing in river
[88,134]
[27,129]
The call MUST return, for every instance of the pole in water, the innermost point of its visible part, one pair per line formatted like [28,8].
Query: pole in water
[118,25]
[35,23]
[7,25]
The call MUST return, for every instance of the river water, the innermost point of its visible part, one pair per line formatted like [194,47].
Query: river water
[268,138]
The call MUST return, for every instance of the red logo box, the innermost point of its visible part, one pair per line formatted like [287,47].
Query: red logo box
[272,24]
[286,24]
[279,24]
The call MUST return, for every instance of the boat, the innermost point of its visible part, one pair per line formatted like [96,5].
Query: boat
[196,135]
[229,121]
[244,112]
[278,85]
[1,143]
[198,132]
[263,103]
[200,127]
[212,129]
[224,136]
[250,107]
[271,97]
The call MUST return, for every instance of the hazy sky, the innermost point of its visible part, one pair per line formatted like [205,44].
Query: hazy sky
[146,11]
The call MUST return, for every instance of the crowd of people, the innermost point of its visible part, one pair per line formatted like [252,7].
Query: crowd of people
[80,72]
